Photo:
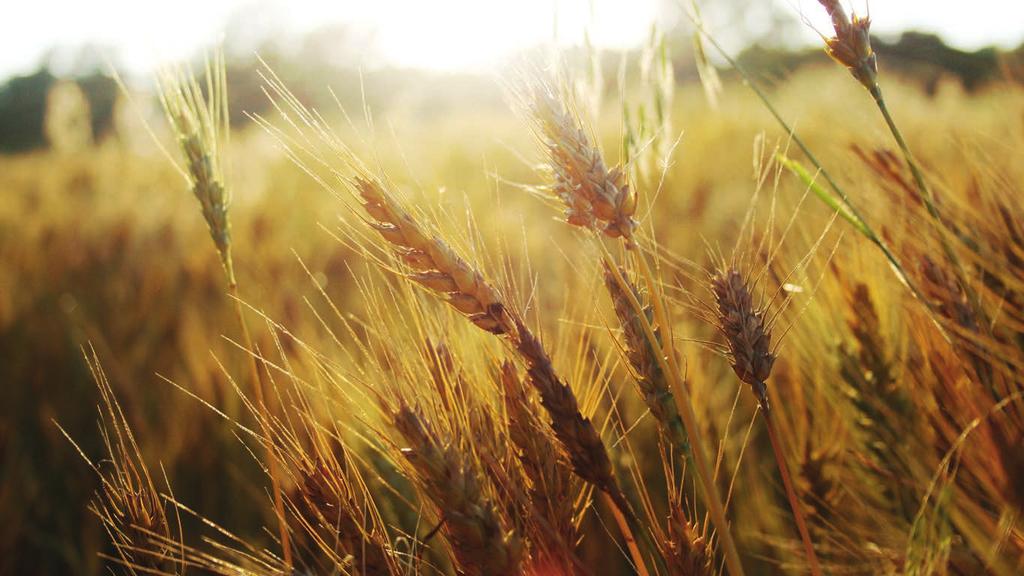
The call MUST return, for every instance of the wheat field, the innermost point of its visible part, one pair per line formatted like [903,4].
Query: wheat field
[565,326]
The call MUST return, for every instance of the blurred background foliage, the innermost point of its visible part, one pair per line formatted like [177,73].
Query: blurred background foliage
[327,57]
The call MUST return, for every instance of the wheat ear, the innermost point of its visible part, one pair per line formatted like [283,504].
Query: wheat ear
[580,177]
[481,545]
[436,266]
[200,122]
[749,343]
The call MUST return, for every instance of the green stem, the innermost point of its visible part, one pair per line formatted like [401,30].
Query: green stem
[929,201]
[875,239]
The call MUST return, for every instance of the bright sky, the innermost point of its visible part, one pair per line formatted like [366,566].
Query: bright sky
[439,34]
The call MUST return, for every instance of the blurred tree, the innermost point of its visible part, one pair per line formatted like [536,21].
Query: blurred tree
[22,108]
[24,102]
[102,92]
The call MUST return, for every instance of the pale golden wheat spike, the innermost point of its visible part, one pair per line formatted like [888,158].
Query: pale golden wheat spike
[594,196]
[200,124]
[433,263]
[482,546]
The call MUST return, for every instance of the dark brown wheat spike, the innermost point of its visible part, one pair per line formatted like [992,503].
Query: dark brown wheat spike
[746,334]
[818,484]
[481,544]
[551,487]
[491,444]
[749,343]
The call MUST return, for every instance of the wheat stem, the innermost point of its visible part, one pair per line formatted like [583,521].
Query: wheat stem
[620,510]
[685,405]
[871,235]
[794,502]
[683,402]
[928,197]
[264,418]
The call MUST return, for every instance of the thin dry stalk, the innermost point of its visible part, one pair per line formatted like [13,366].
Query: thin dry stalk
[749,343]
[851,47]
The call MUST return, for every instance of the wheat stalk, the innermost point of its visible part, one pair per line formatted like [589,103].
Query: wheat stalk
[851,47]
[642,356]
[200,123]
[436,266]
[580,177]
[749,343]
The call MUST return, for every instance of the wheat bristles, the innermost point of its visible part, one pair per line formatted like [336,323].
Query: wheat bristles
[127,503]
[328,502]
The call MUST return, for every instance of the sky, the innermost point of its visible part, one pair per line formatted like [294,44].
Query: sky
[434,34]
